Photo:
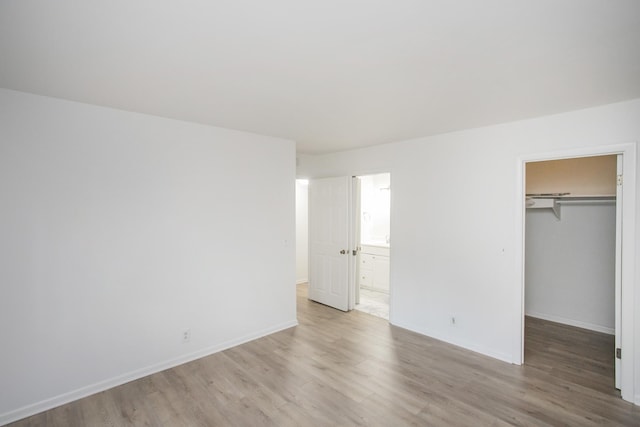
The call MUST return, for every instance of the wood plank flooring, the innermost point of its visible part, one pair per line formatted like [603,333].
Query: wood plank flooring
[355,369]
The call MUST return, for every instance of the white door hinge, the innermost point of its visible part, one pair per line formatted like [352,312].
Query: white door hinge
[619,180]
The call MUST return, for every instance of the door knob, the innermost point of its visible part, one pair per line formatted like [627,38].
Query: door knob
[343,252]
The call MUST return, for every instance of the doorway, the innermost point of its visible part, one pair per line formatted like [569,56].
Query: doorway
[302,231]
[373,237]
[570,267]
[349,246]
[625,258]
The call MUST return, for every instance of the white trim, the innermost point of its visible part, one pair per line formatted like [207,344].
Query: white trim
[354,216]
[53,402]
[301,281]
[619,207]
[467,345]
[573,322]
[628,150]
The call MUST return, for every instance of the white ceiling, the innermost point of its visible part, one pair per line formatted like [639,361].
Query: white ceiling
[329,74]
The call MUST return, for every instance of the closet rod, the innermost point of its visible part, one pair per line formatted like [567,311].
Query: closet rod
[554,202]
[566,197]
[586,200]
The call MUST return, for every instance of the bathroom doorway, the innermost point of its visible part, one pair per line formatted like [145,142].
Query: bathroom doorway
[373,234]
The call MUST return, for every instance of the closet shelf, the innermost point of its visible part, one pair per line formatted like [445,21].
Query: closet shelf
[555,200]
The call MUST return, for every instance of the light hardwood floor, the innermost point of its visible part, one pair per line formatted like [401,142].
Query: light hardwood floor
[355,369]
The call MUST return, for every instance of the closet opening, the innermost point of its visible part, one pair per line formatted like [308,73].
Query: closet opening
[572,268]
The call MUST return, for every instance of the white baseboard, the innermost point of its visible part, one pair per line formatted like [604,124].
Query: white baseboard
[459,343]
[572,322]
[53,402]
[301,281]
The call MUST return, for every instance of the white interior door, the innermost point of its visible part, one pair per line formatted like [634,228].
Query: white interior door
[329,235]
[618,270]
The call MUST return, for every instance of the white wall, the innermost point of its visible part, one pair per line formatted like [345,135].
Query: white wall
[570,265]
[302,231]
[118,231]
[454,220]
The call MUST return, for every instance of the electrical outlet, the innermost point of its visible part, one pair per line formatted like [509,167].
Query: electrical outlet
[453,321]
[186,335]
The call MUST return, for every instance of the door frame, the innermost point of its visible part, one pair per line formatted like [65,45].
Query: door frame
[628,256]
[354,265]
